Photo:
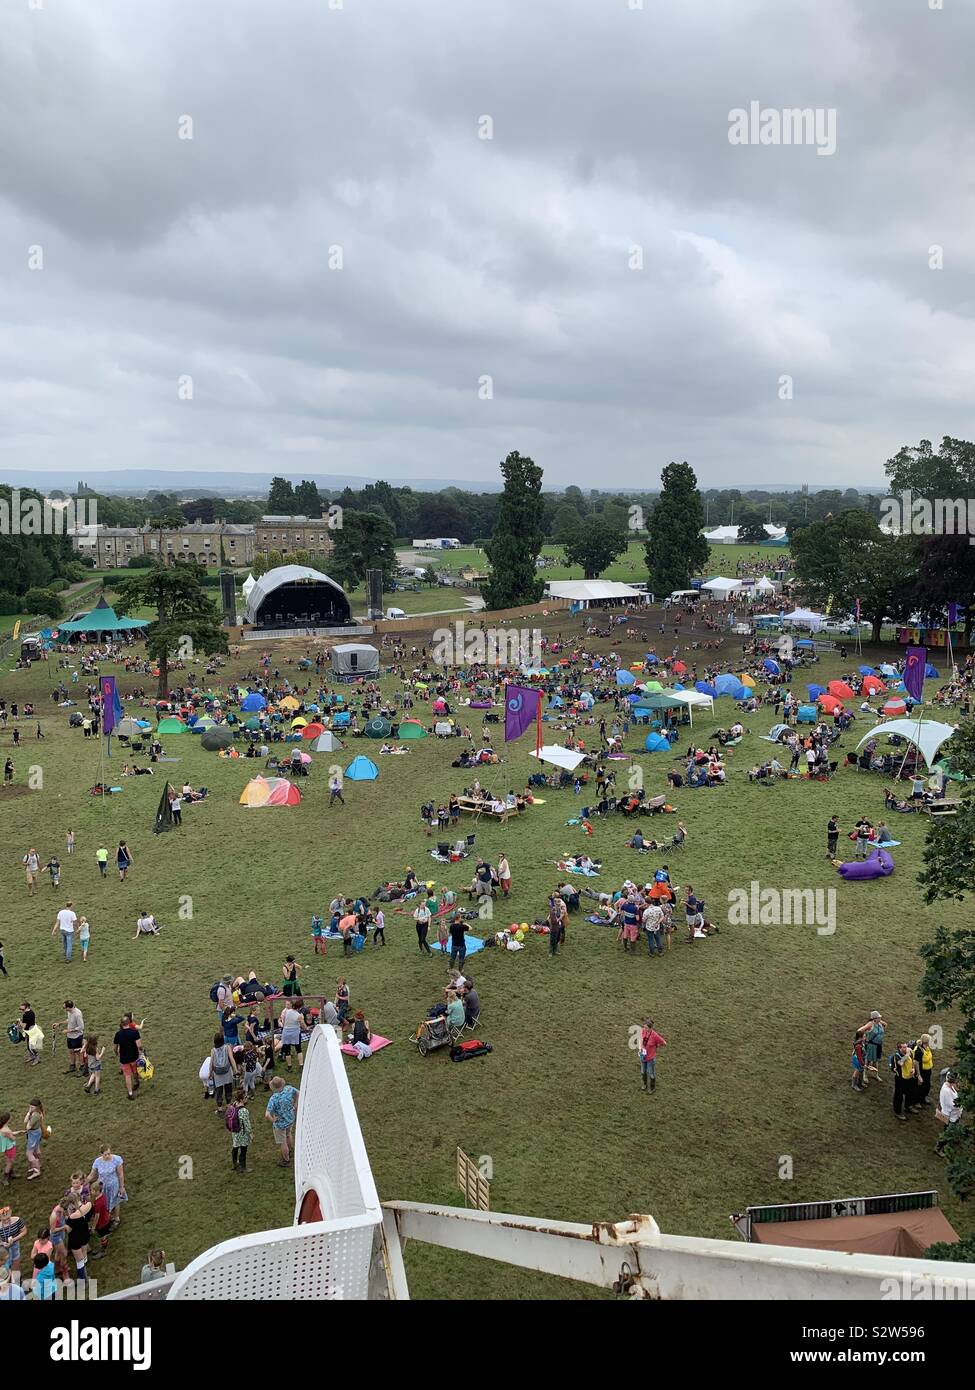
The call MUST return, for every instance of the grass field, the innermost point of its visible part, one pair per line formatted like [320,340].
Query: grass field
[758,1020]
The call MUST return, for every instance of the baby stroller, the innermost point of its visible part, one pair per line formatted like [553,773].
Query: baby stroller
[433,1033]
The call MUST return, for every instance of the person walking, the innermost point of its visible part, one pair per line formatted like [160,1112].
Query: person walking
[176,806]
[241,1128]
[223,1071]
[65,923]
[93,1056]
[123,860]
[504,875]
[74,1028]
[281,1111]
[557,916]
[872,1033]
[832,836]
[653,919]
[69,842]
[379,923]
[335,790]
[421,917]
[650,1040]
[84,937]
[32,866]
[290,1021]
[904,1068]
[109,1169]
[458,941]
[127,1044]
[101,858]
[35,1128]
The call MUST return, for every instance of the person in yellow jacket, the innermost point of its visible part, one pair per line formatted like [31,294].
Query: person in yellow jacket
[924,1058]
[905,1085]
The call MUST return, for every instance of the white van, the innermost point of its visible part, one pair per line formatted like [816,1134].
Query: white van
[395,613]
[683,595]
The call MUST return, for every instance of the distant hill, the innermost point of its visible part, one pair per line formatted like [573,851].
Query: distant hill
[136,482]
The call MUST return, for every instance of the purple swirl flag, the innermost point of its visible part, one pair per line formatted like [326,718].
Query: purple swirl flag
[521,709]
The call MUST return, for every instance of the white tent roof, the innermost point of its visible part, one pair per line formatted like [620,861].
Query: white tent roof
[581,590]
[765,585]
[561,757]
[326,743]
[247,585]
[728,535]
[692,697]
[928,734]
[805,617]
[722,586]
[283,574]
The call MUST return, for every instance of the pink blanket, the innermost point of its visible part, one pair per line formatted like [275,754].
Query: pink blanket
[377,1044]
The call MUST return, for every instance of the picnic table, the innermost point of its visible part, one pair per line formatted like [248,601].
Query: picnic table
[478,807]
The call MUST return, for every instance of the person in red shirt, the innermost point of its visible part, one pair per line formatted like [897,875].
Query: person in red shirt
[101,1219]
[649,1042]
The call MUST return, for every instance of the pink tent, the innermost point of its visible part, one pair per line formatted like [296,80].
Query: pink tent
[283,792]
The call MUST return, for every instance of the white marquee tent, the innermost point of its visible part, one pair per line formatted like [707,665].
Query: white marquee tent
[561,757]
[721,587]
[926,734]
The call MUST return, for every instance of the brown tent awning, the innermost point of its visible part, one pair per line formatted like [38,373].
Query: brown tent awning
[905,1233]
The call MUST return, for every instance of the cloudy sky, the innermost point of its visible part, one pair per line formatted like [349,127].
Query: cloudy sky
[490,294]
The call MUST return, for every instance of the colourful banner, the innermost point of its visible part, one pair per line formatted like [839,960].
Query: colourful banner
[111,704]
[915,664]
[522,707]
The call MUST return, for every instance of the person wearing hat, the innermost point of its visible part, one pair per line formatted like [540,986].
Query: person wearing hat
[872,1033]
[925,1067]
[905,1080]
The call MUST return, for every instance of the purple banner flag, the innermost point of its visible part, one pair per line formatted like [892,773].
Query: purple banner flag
[915,664]
[521,707]
[952,614]
[111,704]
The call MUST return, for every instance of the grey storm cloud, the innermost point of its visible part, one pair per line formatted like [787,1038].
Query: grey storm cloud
[634,285]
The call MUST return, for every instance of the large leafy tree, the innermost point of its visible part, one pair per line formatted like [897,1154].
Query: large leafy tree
[751,527]
[675,547]
[308,501]
[364,541]
[565,523]
[949,975]
[186,619]
[594,545]
[516,541]
[281,498]
[848,557]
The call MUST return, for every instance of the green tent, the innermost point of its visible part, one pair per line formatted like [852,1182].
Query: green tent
[103,618]
[411,729]
[656,701]
[171,726]
[252,723]
[378,728]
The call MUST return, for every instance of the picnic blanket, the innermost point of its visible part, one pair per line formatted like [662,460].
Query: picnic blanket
[377,1045]
[578,869]
[473,944]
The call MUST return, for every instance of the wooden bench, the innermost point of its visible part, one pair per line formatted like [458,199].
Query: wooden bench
[942,808]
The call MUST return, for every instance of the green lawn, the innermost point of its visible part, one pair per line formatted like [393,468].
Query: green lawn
[758,1020]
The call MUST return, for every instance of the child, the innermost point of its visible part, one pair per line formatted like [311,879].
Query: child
[241,1128]
[266,1055]
[84,936]
[93,1055]
[101,1218]
[251,1068]
[70,841]
[317,939]
[35,1127]
[341,999]
[44,1280]
[155,1267]
[53,867]
[56,1229]
[443,931]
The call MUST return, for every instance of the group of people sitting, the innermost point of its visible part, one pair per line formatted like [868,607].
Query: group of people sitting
[638,841]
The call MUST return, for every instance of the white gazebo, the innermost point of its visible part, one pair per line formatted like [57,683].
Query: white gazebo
[927,735]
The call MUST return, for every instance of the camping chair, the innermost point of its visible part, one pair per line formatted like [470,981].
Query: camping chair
[469,1027]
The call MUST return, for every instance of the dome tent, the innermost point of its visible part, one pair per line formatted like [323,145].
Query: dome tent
[171,725]
[326,743]
[361,769]
[411,728]
[656,743]
[253,701]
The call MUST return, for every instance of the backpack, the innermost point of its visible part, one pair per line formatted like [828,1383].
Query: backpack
[14,1033]
[215,991]
[232,1118]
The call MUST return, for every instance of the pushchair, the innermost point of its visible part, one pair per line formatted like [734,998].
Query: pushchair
[433,1033]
